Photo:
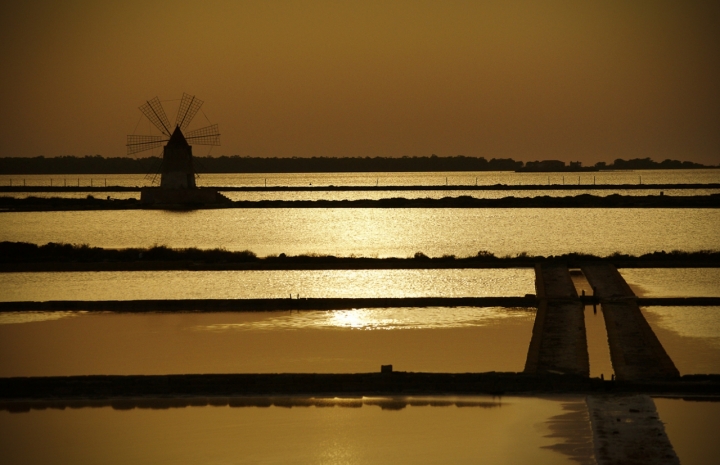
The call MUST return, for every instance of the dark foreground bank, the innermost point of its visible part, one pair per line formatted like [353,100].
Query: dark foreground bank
[579,201]
[23,256]
[163,391]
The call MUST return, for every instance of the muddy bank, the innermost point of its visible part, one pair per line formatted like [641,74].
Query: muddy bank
[331,188]
[18,394]
[23,256]
[579,201]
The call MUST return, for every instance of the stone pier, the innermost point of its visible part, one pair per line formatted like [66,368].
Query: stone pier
[559,342]
[635,350]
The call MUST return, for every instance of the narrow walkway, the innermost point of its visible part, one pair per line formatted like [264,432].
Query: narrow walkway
[559,342]
[635,350]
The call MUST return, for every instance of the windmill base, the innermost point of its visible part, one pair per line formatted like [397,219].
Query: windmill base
[181,198]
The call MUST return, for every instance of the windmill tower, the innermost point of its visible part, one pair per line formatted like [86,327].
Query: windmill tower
[177,173]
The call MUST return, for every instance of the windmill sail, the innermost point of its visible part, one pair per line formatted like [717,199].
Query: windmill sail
[209,135]
[189,106]
[153,110]
[137,144]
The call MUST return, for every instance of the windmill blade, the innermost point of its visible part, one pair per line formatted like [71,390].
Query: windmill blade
[137,144]
[209,135]
[189,107]
[153,110]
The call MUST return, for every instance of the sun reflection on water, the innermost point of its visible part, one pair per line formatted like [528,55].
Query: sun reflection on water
[382,319]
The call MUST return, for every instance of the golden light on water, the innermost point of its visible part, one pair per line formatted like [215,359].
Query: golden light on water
[383,319]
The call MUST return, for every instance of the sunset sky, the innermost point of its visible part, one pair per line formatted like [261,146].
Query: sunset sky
[570,80]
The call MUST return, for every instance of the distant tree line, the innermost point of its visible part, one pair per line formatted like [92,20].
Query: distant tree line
[97,164]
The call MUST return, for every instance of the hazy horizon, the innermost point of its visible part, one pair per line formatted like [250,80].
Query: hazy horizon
[591,81]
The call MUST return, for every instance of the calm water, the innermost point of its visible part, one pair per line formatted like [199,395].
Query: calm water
[506,430]
[510,430]
[379,232]
[265,284]
[692,428]
[384,179]
[673,282]
[690,336]
[349,341]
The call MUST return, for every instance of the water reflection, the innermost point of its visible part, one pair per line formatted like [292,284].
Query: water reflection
[463,340]
[372,232]
[690,335]
[137,285]
[702,322]
[673,282]
[692,427]
[382,431]
[163,403]
[382,319]
[34,317]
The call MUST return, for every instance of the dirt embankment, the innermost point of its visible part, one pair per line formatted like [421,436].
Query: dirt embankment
[579,201]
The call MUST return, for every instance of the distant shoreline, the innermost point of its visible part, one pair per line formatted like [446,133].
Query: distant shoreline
[68,165]
[38,204]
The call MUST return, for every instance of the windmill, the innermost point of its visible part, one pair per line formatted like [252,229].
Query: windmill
[177,171]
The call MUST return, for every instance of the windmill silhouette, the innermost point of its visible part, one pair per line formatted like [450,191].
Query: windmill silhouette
[177,170]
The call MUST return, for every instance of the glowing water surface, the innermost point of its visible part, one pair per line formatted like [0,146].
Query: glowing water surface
[379,232]
[692,427]
[690,336]
[489,430]
[673,282]
[137,285]
[464,339]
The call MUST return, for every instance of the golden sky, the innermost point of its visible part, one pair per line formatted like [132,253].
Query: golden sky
[570,80]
